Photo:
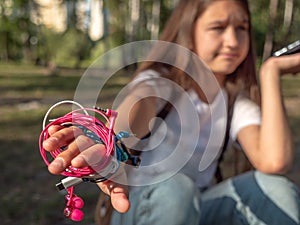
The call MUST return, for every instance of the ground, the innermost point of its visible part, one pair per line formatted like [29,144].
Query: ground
[28,193]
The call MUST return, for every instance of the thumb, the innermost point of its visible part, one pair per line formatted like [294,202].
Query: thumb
[119,199]
[118,194]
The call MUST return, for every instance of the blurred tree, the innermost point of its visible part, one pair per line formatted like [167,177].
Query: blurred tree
[24,35]
[154,21]
[74,46]
[288,14]
[268,46]
[71,14]
[275,23]
[67,48]
[17,32]
[47,46]
[259,22]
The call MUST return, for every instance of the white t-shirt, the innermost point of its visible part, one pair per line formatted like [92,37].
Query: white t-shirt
[191,136]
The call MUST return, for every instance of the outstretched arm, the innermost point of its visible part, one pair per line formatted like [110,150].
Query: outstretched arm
[133,115]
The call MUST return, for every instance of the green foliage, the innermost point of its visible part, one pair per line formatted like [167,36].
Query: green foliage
[47,46]
[285,35]
[22,40]
[68,49]
[261,22]
[16,30]
[74,46]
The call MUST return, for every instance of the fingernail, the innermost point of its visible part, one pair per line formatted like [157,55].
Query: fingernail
[78,161]
[57,165]
[50,143]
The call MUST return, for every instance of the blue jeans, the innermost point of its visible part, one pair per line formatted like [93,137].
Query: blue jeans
[251,198]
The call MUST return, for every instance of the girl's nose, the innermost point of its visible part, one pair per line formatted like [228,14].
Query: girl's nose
[231,37]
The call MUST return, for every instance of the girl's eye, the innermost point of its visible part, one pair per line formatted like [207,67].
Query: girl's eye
[217,28]
[242,27]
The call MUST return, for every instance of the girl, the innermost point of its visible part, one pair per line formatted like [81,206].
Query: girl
[219,32]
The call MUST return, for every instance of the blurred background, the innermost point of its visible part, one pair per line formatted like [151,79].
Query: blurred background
[45,47]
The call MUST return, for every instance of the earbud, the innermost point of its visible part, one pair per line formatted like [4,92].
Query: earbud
[72,211]
[77,202]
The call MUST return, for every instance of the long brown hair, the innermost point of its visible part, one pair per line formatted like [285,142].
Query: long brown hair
[179,29]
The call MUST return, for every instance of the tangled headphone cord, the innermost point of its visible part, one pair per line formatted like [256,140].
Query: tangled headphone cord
[100,128]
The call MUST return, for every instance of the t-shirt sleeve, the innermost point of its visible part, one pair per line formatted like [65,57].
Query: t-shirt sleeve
[150,83]
[245,113]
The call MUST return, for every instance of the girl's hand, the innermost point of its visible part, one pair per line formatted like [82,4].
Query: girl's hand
[81,152]
[289,64]
[80,149]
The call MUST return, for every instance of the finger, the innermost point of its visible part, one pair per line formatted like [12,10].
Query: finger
[290,63]
[54,128]
[63,160]
[117,191]
[118,194]
[119,198]
[92,156]
[61,138]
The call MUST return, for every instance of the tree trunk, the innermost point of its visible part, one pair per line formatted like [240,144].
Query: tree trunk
[288,15]
[134,12]
[270,33]
[154,22]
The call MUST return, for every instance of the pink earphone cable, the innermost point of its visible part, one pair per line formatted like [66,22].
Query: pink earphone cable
[106,134]
[102,129]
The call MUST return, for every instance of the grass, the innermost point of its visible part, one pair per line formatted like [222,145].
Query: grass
[28,193]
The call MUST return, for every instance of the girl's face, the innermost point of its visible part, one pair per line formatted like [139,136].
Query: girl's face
[222,37]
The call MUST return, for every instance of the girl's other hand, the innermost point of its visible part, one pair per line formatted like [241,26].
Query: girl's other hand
[288,64]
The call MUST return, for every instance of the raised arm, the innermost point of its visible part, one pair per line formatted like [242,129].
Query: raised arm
[270,147]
